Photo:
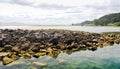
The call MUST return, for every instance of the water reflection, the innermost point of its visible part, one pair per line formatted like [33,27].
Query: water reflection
[102,58]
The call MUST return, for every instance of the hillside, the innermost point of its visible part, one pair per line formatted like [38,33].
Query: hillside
[106,20]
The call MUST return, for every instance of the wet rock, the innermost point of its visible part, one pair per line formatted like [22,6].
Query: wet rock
[25,46]
[49,50]
[2,54]
[92,48]
[7,60]
[1,42]
[117,41]
[69,41]
[14,57]
[27,55]
[27,43]
[7,47]
[54,41]
[35,49]
[95,41]
[111,42]
[37,55]
[1,49]
[16,49]
[42,46]
[62,47]
[69,47]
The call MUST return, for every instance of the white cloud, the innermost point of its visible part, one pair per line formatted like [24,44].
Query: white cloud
[55,11]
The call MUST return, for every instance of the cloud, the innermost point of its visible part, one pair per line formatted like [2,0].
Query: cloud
[55,11]
[20,2]
[52,6]
[35,4]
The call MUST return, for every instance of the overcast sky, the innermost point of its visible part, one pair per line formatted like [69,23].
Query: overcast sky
[46,12]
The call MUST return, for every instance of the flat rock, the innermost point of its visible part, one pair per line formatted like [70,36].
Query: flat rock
[7,60]
[4,54]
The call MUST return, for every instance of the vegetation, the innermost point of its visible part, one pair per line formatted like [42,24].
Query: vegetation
[107,20]
[111,33]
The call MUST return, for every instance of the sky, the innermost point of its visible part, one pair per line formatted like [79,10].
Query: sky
[54,12]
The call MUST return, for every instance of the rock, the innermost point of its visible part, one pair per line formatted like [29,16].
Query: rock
[42,46]
[25,46]
[1,49]
[43,50]
[27,55]
[1,42]
[54,41]
[117,41]
[88,44]
[27,43]
[111,42]
[49,50]
[4,54]
[69,47]
[52,53]
[7,60]
[95,41]
[41,64]
[7,47]
[92,48]
[35,49]
[62,47]
[69,41]
[37,55]
[14,57]
[16,49]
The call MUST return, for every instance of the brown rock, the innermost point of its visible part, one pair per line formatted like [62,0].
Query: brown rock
[7,60]
[7,47]
[1,42]
[39,54]
[27,55]
[16,49]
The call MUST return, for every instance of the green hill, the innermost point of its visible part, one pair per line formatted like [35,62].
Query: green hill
[107,20]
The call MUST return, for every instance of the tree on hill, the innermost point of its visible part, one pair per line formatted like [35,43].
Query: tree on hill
[107,19]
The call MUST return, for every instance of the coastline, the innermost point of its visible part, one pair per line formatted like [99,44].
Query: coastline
[35,43]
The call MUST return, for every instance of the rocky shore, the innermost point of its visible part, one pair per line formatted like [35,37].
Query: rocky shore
[15,44]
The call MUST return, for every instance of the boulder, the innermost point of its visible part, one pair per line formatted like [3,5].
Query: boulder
[16,49]
[1,42]
[3,54]
[7,60]
[37,55]
[7,47]
[1,49]
[27,55]
[69,41]
[92,48]
[54,41]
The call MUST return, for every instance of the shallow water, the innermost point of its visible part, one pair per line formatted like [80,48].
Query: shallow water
[78,28]
[103,58]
